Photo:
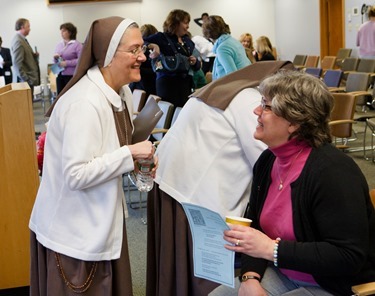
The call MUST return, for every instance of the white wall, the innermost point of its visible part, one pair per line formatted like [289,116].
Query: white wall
[283,21]
[297,28]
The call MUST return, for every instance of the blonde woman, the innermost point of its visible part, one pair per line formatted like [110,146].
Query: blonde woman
[264,49]
[246,40]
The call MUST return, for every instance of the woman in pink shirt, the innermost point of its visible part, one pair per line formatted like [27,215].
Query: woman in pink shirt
[313,224]
[366,36]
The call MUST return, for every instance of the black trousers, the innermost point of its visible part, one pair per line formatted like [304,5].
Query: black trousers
[175,89]
[61,81]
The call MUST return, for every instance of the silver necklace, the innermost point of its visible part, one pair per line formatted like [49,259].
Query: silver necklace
[281,181]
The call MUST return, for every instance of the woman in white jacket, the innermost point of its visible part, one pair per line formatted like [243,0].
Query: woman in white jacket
[78,238]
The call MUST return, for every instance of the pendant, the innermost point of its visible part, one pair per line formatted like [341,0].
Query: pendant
[280,186]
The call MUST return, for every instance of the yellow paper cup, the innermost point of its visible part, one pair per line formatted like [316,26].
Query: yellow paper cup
[238,220]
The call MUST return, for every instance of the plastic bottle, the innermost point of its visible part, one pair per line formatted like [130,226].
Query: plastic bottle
[145,182]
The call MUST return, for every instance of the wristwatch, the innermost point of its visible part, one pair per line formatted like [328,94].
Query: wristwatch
[244,278]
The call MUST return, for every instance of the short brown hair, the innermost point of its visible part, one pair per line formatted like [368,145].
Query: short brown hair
[72,29]
[301,99]
[173,20]
[214,27]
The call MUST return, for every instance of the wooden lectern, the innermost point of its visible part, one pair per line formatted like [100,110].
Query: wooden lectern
[19,182]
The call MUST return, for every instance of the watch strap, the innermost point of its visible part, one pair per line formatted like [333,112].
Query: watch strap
[244,278]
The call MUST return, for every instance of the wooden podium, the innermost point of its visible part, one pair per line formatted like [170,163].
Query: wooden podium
[19,182]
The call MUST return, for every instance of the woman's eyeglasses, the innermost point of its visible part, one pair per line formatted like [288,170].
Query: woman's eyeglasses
[265,107]
[136,51]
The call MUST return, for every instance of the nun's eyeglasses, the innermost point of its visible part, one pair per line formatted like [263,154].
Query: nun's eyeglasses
[136,51]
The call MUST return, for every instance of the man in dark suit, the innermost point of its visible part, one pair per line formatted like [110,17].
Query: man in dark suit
[25,61]
[5,63]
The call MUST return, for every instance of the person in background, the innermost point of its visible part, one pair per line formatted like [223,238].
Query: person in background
[78,230]
[313,223]
[366,36]
[205,49]
[264,49]
[246,40]
[25,61]
[175,87]
[230,54]
[148,76]
[199,77]
[66,54]
[204,46]
[5,63]
[206,158]
[200,20]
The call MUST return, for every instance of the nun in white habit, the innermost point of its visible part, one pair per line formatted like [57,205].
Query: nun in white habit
[78,233]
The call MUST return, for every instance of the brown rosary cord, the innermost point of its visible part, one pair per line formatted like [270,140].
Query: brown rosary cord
[76,289]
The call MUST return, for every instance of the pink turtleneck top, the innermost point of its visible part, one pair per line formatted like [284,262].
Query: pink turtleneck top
[276,218]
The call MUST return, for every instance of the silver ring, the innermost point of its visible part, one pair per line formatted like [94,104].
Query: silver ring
[238,242]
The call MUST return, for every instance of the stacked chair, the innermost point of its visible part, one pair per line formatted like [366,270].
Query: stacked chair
[317,72]
[299,60]
[342,118]
[311,61]
[341,55]
[328,63]
[332,78]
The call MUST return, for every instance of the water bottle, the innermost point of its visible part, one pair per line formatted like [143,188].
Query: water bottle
[145,182]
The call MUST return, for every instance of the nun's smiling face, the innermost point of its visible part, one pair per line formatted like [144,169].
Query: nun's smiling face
[126,63]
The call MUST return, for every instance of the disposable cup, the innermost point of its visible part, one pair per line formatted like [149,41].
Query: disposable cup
[238,220]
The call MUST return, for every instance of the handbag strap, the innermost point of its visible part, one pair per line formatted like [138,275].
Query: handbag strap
[170,42]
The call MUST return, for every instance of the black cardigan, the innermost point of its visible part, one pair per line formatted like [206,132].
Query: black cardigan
[333,220]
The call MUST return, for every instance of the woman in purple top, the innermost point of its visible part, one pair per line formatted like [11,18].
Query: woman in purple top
[66,54]
[313,224]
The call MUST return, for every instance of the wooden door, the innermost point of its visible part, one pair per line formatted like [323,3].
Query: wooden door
[332,26]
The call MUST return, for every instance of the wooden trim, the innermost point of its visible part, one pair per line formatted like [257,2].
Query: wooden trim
[56,2]
[332,26]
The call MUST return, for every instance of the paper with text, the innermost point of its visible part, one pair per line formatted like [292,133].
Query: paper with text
[211,260]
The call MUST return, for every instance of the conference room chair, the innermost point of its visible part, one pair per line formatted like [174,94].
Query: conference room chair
[332,78]
[370,124]
[342,119]
[367,115]
[164,123]
[341,55]
[311,61]
[349,64]
[317,72]
[357,82]
[327,63]
[139,100]
[299,60]
[367,66]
